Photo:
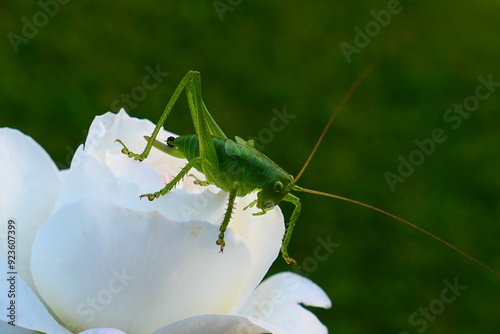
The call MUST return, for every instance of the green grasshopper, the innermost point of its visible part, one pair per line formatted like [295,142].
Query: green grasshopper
[238,168]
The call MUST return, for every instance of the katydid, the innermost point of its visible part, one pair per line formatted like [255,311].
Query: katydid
[237,167]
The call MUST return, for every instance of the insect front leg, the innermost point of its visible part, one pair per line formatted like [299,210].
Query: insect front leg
[175,180]
[289,230]
[227,216]
[184,82]
[199,182]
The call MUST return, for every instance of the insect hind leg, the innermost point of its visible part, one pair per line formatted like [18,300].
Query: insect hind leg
[182,85]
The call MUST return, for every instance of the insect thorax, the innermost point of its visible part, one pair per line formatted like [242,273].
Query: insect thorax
[238,162]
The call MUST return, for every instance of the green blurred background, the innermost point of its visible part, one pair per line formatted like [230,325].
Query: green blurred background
[262,55]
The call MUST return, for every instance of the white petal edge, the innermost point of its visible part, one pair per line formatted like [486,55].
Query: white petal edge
[30,313]
[106,128]
[217,324]
[276,301]
[28,192]
[263,234]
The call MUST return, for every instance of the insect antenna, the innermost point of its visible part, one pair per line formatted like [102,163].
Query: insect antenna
[345,199]
[344,99]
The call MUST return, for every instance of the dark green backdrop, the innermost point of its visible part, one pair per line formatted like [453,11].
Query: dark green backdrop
[266,55]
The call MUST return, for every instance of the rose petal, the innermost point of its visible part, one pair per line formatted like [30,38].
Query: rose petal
[28,192]
[263,235]
[92,179]
[217,324]
[100,265]
[30,313]
[101,144]
[277,299]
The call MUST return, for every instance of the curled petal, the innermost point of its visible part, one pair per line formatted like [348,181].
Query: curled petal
[217,324]
[263,235]
[277,301]
[101,144]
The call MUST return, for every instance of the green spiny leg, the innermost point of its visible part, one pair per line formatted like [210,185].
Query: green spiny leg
[175,180]
[288,235]
[203,129]
[215,130]
[184,82]
[206,127]
[227,216]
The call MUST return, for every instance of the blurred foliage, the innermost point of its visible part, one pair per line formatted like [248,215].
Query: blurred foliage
[265,55]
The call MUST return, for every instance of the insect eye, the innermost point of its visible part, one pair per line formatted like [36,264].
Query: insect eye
[278,186]
[170,141]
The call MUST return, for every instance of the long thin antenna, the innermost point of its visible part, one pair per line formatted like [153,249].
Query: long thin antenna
[320,193]
[344,99]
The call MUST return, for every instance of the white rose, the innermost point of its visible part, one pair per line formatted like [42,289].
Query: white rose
[91,256]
